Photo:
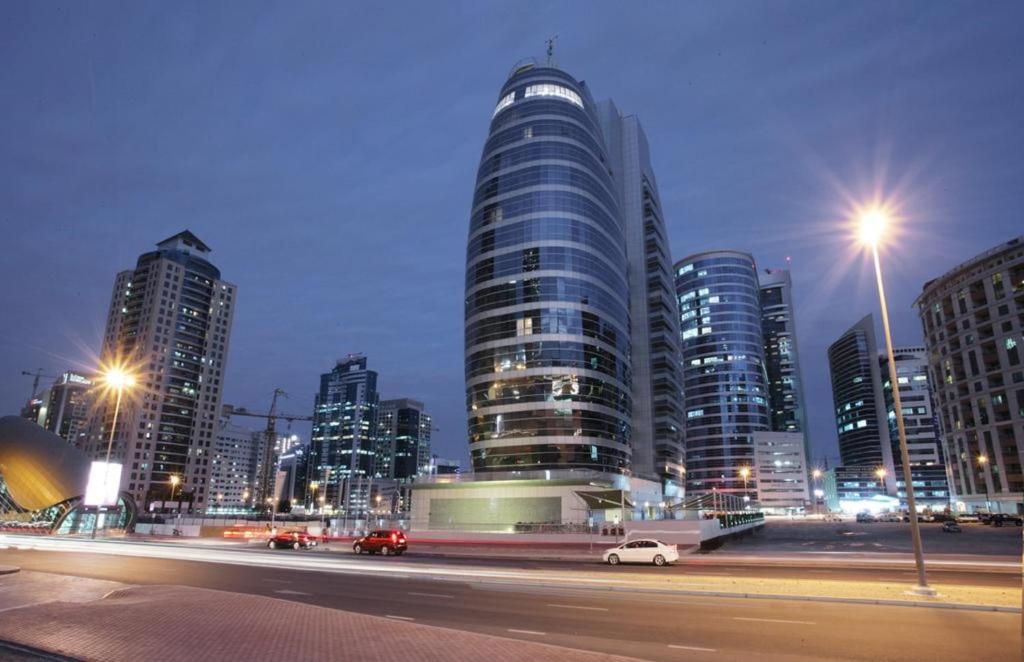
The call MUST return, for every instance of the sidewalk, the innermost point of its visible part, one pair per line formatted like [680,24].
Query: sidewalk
[127,623]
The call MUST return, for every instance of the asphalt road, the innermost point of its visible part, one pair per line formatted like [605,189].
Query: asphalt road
[647,626]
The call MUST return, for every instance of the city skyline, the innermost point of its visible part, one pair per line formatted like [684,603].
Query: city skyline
[130,184]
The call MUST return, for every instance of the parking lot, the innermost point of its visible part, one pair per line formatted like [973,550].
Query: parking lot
[781,535]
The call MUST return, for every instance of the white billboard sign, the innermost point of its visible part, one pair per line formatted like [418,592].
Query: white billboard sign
[104,484]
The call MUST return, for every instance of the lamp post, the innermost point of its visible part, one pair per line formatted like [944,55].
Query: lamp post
[816,476]
[116,379]
[982,461]
[872,225]
[273,513]
[175,480]
[313,487]
[745,474]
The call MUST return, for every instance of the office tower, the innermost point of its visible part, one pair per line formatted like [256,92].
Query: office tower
[68,408]
[973,321]
[403,430]
[344,440]
[781,471]
[866,417]
[657,415]
[725,393]
[170,322]
[859,408]
[233,465]
[547,301]
[781,356]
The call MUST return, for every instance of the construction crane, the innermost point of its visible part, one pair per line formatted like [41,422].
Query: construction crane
[38,374]
[265,481]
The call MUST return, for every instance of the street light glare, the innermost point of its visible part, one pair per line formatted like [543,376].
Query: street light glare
[118,378]
[872,225]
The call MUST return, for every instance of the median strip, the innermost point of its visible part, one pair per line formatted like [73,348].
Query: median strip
[771,620]
[533,632]
[693,648]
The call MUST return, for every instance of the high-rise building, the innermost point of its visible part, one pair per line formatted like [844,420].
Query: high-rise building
[866,416]
[344,440]
[170,321]
[403,430]
[859,408]
[781,355]
[973,320]
[657,428]
[547,314]
[68,408]
[233,465]
[725,391]
[780,469]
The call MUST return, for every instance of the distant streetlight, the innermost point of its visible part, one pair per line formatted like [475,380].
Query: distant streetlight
[175,480]
[982,461]
[816,475]
[873,223]
[117,379]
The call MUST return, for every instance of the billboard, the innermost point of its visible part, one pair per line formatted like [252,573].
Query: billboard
[104,484]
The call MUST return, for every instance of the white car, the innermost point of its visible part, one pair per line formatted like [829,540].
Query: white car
[642,551]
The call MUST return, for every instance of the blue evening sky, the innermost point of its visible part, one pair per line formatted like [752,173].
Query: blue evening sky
[327,153]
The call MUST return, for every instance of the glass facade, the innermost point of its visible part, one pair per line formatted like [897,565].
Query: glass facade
[782,361]
[853,365]
[344,440]
[724,386]
[547,302]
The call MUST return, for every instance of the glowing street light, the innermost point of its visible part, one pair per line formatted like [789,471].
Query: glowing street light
[175,481]
[115,378]
[816,475]
[881,473]
[873,223]
[982,461]
[745,474]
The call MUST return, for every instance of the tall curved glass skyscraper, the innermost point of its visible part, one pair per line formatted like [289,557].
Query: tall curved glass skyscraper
[724,384]
[547,300]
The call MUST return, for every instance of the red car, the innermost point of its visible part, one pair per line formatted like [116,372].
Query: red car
[385,542]
[293,538]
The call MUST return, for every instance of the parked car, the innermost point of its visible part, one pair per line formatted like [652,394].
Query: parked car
[890,517]
[967,518]
[383,541]
[833,517]
[950,526]
[1004,519]
[291,538]
[866,517]
[642,551]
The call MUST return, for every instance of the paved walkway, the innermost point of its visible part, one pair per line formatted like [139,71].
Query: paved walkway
[130,623]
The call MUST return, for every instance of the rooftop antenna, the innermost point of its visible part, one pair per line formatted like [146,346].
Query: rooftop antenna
[551,50]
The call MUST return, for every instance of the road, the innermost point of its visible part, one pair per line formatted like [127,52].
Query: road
[643,625]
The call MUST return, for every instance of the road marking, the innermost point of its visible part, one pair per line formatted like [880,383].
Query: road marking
[431,595]
[287,591]
[540,634]
[579,607]
[399,618]
[693,648]
[772,620]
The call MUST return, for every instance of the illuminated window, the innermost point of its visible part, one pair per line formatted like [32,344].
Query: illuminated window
[505,102]
[549,90]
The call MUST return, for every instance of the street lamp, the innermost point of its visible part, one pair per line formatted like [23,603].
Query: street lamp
[175,480]
[115,378]
[313,487]
[745,474]
[872,227]
[273,513]
[982,461]
[816,475]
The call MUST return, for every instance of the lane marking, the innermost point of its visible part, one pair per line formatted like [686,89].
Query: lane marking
[288,591]
[580,607]
[431,595]
[771,620]
[540,634]
[693,648]
[399,618]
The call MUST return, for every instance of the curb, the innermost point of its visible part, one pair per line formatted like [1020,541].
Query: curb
[34,652]
[773,596]
[8,569]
